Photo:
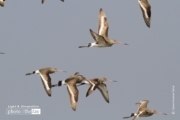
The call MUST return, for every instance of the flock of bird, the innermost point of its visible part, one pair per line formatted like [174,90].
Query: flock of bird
[73,81]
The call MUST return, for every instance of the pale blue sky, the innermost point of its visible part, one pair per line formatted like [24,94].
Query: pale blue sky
[34,36]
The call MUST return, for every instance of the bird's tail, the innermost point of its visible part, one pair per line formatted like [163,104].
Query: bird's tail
[55,85]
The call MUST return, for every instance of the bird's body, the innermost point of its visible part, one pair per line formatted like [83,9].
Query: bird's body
[143,111]
[101,39]
[98,83]
[45,78]
[2,2]
[2,53]
[146,11]
[71,82]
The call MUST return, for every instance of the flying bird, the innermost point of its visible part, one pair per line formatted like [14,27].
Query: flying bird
[71,82]
[146,11]
[98,83]
[2,2]
[46,79]
[143,111]
[101,39]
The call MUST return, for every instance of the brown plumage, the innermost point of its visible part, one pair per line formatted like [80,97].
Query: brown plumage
[2,2]
[143,111]
[71,82]
[101,39]
[45,78]
[103,21]
[98,83]
[146,11]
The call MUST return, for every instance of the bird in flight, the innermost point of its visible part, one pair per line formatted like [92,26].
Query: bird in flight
[101,39]
[143,111]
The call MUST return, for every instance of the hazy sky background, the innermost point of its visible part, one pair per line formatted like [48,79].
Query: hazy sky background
[34,36]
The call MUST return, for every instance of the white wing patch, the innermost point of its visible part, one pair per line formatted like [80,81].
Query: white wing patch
[72,95]
[144,9]
[86,82]
[93,85]
[45,82]
[102,25]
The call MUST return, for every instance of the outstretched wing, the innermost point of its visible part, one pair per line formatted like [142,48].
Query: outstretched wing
[91,88]
[104,91]
[142,105]
[73,95]
[98,38]
[103,24]
[146,11]
[46,80]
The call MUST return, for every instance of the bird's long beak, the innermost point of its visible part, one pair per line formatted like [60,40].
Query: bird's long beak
[121,43]
[61,71]
[111,80]
[161,113]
